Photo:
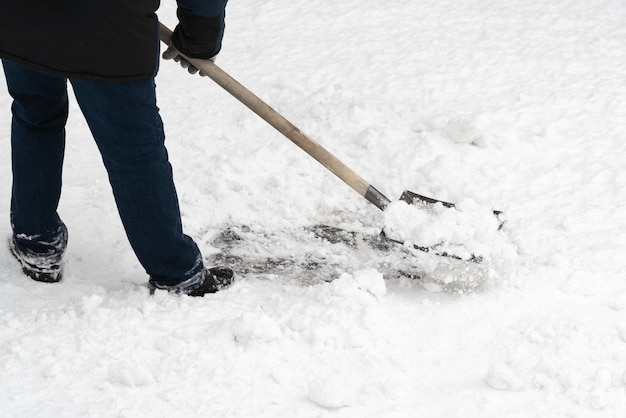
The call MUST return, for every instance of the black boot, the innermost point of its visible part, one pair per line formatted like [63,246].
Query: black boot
[42,267]
[216,279]
[213,279]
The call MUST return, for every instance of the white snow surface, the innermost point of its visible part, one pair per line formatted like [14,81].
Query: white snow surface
[514,105]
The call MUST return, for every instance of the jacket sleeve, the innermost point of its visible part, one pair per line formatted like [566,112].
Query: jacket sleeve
[201,27]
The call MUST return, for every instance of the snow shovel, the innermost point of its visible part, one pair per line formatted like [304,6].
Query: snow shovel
[293,133]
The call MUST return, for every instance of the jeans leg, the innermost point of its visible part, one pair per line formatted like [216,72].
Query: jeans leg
[125,122]
[40,109]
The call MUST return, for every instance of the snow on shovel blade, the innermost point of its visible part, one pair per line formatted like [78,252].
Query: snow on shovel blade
[461,231]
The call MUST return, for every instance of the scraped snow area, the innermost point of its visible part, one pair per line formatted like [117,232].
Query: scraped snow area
[511,105]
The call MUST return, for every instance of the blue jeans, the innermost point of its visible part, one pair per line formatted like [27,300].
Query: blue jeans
[124,120]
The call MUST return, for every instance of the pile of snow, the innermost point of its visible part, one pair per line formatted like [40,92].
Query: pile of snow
[467,230]
[466,246]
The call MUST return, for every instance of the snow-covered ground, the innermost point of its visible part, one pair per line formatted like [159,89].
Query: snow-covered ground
[516,105]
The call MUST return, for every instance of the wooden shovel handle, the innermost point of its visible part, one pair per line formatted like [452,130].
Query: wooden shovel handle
[284,126]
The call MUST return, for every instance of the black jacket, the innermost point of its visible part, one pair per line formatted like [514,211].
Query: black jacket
[115,40]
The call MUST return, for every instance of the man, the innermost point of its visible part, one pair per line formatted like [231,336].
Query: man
[108,50]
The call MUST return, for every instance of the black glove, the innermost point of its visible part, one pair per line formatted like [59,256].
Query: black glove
[197,37]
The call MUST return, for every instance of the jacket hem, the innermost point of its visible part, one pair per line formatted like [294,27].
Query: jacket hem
[77,74]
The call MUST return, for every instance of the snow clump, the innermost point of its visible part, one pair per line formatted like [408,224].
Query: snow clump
[465,231]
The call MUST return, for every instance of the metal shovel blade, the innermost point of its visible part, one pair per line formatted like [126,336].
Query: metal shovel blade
[413,198]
